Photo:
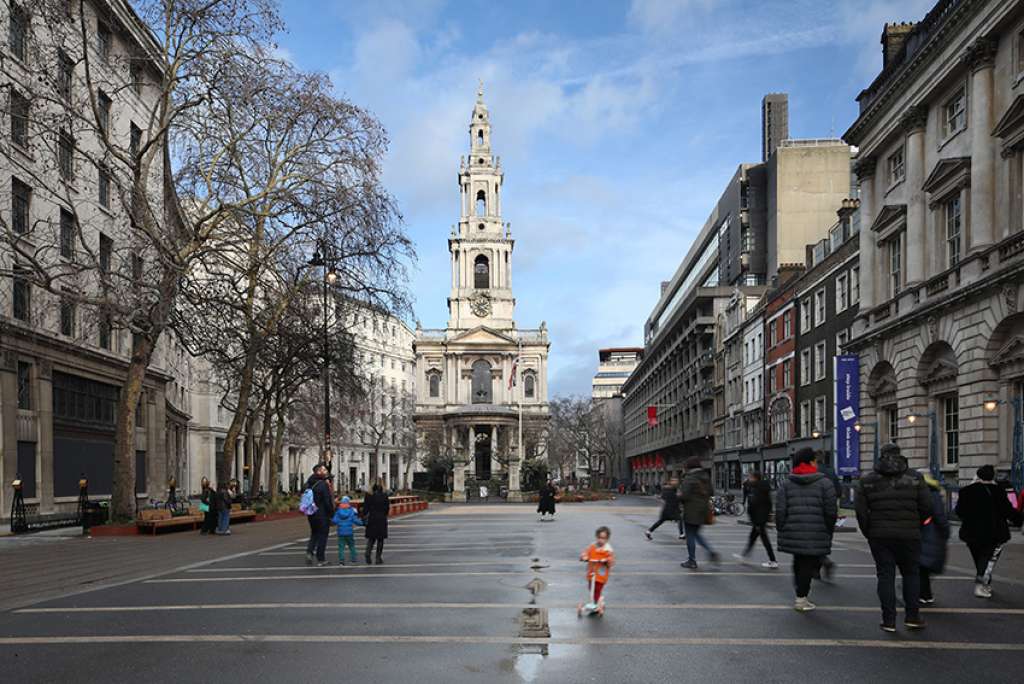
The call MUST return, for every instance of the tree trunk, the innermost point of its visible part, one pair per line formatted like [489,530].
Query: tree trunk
[260,448]
[122,493]
[276,453]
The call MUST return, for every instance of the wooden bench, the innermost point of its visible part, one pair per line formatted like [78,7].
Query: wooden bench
[161,519]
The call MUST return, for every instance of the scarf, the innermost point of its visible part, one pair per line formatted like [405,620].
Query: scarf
[805,469]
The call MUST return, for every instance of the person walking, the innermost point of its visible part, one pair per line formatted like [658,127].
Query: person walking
[892,505]
[934,537]
[828,567]
[546,503]
[208,505]
[695,495]
[375,514]
[805,519]
[222,501]
[319,519]
[345,517]
[759,507]
[984,510]
[669,510]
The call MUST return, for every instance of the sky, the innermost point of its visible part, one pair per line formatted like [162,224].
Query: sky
[618,124]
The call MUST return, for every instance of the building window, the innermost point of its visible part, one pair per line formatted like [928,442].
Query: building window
[434,383]
[22,294]
[772,334]
[819,361]
[19,21]
[820,424]
[805,367]
[954,114]
[66,155]
[135,73]
[842,293]
[953,228]
[787,374]
[780,419]
[65,73]
[842,337]
[105,330]
[855,285]
[895,265]
[481,382]
[787,325]
[104,187]
[19,119]
[772,380]
[106,253]
[892,422]
[67,317]
[805,314]
[819,307]
[134,140]
[481,203]
[481,273]
[103,111]
[805,419]
[104,39]
[24,386]
[529,386]
[951,429]
[897,169]
[21,201]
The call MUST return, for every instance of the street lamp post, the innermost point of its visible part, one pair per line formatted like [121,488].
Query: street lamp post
[1017,464]
[933,442]
[320,259]
[878,447]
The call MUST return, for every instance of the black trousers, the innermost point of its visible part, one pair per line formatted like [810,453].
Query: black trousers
[926,583]
[663,519]
[983,555]
[762,532]
[210,521]
[890,554]
[805,568]
[318,531]
[380,546]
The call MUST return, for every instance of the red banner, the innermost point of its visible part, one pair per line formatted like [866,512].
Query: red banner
[652,416]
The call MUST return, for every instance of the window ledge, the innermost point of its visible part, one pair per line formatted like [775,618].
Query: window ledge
[23,151]
[893,186]
[950,138]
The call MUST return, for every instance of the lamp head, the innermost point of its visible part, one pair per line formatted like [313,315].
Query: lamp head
[991,405]
[912,418]
[857,427]
[331,277]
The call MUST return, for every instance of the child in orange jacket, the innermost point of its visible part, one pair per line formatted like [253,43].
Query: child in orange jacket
[599,558]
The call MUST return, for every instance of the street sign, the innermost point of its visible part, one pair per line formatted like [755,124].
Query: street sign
[847,408]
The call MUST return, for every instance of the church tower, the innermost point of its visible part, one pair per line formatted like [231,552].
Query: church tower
[481,245]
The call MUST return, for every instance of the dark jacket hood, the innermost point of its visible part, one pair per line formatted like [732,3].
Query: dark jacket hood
[806,478]
[890,464]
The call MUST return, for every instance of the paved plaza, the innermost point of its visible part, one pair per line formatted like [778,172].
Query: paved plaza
[470,593]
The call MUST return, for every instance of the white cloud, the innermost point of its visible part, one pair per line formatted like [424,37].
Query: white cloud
[657,16]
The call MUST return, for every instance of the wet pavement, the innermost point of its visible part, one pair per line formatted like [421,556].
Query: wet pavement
[488,593]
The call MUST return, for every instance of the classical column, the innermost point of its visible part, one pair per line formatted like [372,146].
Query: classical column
[44,447]
[471,450]
[981,56]
[515,461]
[286,476]
[868,250]
[914,121]
[458,467]
[495,466]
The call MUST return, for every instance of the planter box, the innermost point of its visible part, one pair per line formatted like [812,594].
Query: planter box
[114,530]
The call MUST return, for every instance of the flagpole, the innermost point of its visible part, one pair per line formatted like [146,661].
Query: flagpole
[519,360]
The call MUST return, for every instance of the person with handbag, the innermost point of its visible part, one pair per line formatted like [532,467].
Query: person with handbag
[695,495]
[805,519]
[984,510]
[207,506]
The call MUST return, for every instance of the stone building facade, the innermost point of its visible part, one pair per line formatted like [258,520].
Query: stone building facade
[940,330]
[481,382]
[61,367]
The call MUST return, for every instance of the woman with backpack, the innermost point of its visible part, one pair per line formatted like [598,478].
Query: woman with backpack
[375,513]
[318,505]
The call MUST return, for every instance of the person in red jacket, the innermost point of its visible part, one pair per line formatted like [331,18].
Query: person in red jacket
[599,558]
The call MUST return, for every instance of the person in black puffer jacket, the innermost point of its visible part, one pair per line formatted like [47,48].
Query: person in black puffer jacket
[669,509]
[759,495]
[934,536]
[805,518]
[892,504]
[695,495]
[319,522]
[984,510]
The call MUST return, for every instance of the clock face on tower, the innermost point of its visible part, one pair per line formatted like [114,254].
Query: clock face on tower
[480,303]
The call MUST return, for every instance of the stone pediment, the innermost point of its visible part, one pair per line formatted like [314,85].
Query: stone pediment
[482,335]
[1011,352]
[882,386]
[948,175]
[941,370]
[1010,127]
[890,214]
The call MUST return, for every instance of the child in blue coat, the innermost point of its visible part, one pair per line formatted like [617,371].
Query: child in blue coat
[345,517]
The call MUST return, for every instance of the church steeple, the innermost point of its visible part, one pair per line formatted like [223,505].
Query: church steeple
[481,247]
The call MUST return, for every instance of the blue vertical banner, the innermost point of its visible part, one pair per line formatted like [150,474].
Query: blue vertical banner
[847,413]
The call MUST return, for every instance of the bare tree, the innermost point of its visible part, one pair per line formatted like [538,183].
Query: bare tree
[578,436]
[383,413]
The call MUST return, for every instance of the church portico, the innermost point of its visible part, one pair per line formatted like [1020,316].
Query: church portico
[481,399]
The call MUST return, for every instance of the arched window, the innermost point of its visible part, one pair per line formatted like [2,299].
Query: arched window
[480,137]
[481,382]
[481,273]
[780,419]
[481,203]
[434,381]
[529,386]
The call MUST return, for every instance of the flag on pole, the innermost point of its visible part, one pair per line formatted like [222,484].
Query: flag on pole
[652,416]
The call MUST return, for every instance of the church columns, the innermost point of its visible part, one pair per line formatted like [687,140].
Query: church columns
[495,466]
[471,450]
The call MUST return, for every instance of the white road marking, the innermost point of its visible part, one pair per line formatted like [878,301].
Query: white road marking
[509,641]
[319,574]
[546,565]
[516,606]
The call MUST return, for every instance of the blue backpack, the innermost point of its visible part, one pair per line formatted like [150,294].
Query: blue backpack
[306,503]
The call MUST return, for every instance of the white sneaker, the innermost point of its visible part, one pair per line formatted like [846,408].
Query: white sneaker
[741,559]
[982,591]
[648,535]
[803,605]
[771,565]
